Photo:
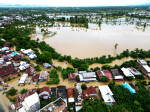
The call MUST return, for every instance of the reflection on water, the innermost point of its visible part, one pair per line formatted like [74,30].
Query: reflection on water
[95,41]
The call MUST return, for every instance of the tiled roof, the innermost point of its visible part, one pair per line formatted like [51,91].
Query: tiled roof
[71,76]
[70,93]
[89,92]
[108,74]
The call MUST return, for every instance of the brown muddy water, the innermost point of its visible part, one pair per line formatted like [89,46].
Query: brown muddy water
[96,41]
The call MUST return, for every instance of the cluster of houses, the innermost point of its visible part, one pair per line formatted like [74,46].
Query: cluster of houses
[112,74]
[64,96]
[29,52]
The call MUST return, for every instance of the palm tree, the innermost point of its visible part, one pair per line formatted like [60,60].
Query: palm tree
[116,45]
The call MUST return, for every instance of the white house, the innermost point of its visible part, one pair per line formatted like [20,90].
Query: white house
[107,95]
[126,72]
[23,78]
[30,104]
[87,76]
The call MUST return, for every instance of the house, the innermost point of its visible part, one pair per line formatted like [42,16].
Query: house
[32,56]
[126,85]
[87,76]
[6,44]
[107,95]
[23,66]
[53,92]
[62,92]
[30,71]
[127,73]
[70,95]
[117,75]
[30,104]
[35,77]
[143,67]
[100,74]
[44,93]
[134,71]
[108,74]
[56,106]
[78,96]
[47,65]
[23,78]
[18,101]
[71,77]
[43,76]
[89,92]
[6,69]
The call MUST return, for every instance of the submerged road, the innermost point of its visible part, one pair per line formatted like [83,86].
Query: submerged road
[1,108]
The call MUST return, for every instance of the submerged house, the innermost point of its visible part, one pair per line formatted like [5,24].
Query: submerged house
[30,71]
[23,78]
[71,77]
[78,96]
[143,67]
[53,92]
[62,92]
[117,75]
[43,76]
[70,95]
[134,71]
[6,69]
[87,76]
[107,95]
[47,65]
[90,92]
[56,106]
[35,77]
[127,73]
[108,74]
[44,93]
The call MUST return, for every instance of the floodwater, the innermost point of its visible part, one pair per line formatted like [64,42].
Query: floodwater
[96,41]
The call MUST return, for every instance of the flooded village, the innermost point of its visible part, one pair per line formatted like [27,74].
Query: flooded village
[75,60]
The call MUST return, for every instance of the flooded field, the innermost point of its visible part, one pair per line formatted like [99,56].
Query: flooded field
[96,41]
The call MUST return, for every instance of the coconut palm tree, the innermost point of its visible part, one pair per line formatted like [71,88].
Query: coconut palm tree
[115,46]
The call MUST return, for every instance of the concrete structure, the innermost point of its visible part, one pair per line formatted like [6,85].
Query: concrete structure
[107,95]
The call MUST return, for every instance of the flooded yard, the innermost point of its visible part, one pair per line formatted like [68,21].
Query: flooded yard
[96,41]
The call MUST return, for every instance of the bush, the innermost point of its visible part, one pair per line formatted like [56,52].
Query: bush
[141,77]
[23,91]
[77,79]
[12,92]
[9,78]
[83,86]
[130,78]
[105,79]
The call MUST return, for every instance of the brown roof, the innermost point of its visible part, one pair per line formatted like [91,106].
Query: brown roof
[23,96]
[6,70]
[89,92]
[71,76]
[30,70]
[70,93]
[35,77]
[17,57]
[99,73]
[47,89]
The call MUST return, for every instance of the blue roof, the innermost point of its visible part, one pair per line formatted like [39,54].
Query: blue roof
[14,54]
[126,85]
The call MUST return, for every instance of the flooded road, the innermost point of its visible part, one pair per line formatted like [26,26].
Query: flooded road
[96,41]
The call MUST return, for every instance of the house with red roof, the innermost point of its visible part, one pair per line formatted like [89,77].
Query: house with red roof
[44,92]
[35,77]
[70,95]
[108,74]
[30,71]
[71,77]
[89,92]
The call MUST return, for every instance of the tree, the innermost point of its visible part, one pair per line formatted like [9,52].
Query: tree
[130,78]
[23,91]
[105,79]
[12,91]
[77,79]
[83,67]
[115,46]
[83,86]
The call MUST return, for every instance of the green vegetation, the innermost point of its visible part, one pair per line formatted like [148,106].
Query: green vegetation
[104,79]
[83,86]
[54,77]
[66,71]
[44,103]
[23,91]
[11,92]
